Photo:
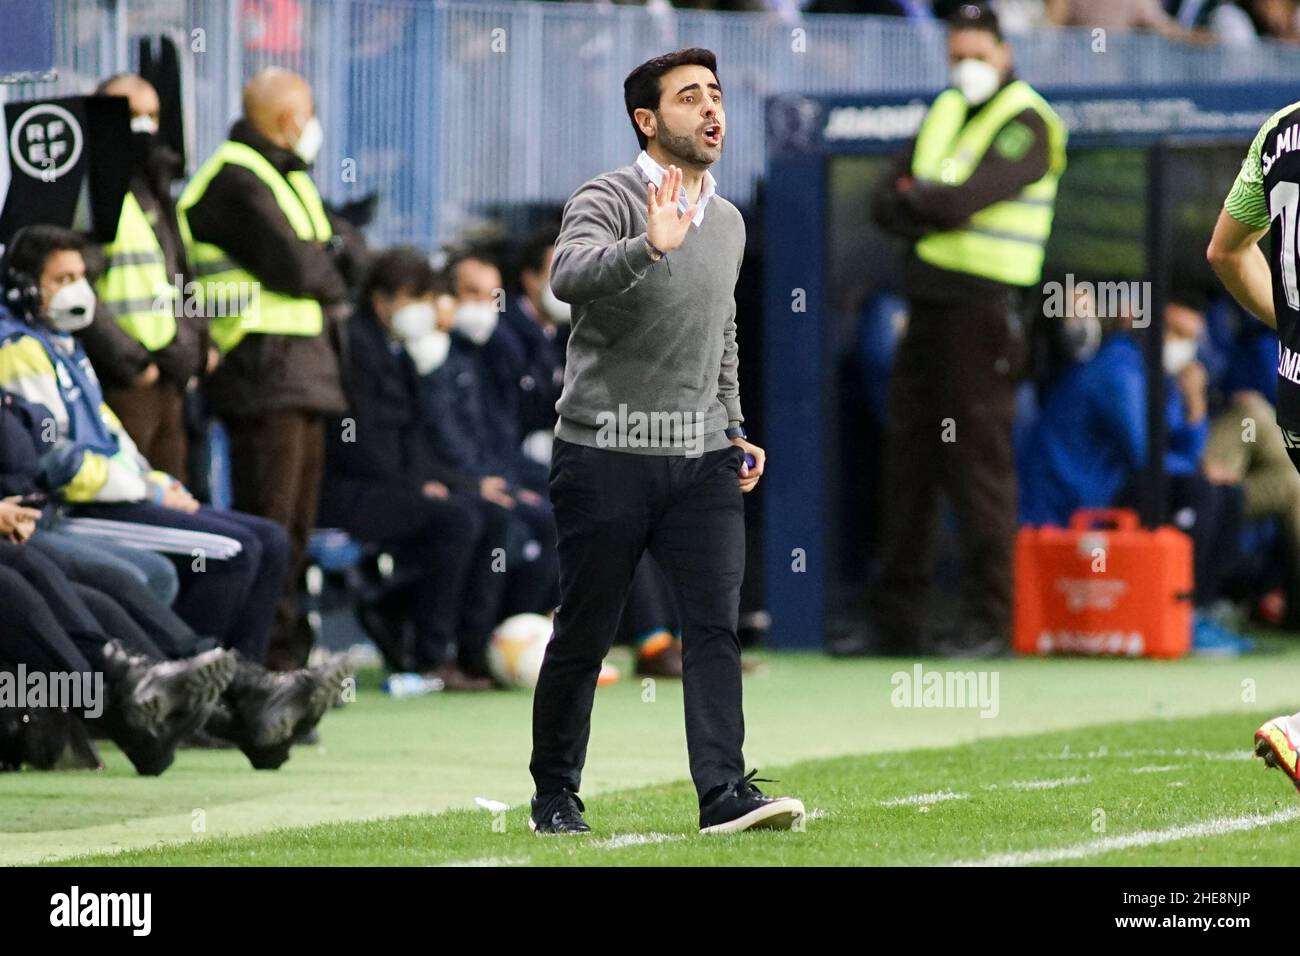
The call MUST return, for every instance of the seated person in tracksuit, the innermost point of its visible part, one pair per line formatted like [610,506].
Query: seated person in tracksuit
[1089,444]
[540,322]
[102,474]
[21,434]
[148,704]
[462,419]
[499,355]
[94,597]
[386,484]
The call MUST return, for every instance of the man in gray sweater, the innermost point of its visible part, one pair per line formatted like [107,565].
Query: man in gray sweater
[650,452]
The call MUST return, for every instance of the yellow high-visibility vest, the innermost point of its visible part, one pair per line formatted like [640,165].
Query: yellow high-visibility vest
[135,286]
[1006,241]
[232,297]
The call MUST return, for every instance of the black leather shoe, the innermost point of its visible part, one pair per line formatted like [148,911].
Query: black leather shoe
[558,813]
[742,806]
[976,643]
[870,639]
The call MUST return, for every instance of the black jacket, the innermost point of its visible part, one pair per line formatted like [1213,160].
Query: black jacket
[467,422]
[28,463]
[542,378]
[267,373]
[384,445]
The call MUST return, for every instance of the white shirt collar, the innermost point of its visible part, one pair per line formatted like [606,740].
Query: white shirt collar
[655,173]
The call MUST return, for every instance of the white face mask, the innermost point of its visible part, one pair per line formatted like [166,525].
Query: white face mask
[476,321]
[1082,336]
[429,351]
[975,80]
[309,141]
[558,311]
[72,307]
[143,124]
[1178,354]
[413,320]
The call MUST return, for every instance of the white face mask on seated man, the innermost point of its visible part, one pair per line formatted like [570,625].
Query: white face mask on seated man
[71,308]
[476,321]
[1178,353]
[414,320]
[429,351]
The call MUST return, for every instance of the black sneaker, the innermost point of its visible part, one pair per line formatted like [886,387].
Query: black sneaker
[742,806]
[561,813]
[976,643]
[149,691]
[223,724]
[275,706]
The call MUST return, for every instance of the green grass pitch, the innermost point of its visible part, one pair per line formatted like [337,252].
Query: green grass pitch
[1085,762]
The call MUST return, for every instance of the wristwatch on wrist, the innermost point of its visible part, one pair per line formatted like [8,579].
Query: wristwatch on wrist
[736,431]
[655,252]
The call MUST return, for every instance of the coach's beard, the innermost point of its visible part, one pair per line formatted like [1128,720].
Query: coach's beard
[688,148]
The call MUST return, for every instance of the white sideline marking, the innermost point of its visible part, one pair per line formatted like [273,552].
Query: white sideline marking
[633,839]
[488,861]
[1207,828]
[923,798]
[1041,784]
[1104,754]
[1165,769]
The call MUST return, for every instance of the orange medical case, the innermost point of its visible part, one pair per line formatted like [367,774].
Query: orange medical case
[1103,586]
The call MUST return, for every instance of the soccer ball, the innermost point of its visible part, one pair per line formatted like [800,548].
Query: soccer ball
[516,650]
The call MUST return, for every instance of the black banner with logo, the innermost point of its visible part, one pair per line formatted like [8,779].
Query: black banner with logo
[68,163]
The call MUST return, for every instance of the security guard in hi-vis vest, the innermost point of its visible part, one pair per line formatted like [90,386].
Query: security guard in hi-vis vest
[271,270]
[974,194]
[144,347]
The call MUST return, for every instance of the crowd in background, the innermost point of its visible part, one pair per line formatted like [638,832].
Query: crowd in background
[1081,439]
[1231,22]
[407,397]
[410,406]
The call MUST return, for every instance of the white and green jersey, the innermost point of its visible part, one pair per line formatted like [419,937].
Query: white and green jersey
[1267,194]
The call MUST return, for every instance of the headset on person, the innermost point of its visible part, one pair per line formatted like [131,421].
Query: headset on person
[20,292]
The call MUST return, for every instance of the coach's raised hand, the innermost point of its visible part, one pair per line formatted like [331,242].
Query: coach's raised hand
[666,227]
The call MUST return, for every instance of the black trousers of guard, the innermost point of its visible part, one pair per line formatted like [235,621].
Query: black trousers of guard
[610,507]
[952,404]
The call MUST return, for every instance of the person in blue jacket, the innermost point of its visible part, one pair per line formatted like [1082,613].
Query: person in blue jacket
[1089,444]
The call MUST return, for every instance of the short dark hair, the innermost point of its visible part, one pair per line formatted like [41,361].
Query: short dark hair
[469,253]
[400,269]
[975,16]
[31,246]
[532,254]
[641,88]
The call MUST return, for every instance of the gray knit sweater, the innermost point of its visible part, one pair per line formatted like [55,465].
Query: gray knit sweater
[652,365]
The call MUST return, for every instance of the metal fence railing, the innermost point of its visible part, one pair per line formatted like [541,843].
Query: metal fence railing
[449,109]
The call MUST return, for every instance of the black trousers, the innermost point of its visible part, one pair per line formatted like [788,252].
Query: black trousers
[610,507]
[30,631]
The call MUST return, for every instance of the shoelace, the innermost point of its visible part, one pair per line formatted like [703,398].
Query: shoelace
[568,807]
[746,783]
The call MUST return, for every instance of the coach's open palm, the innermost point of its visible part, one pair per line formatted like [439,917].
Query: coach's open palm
[666,227]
